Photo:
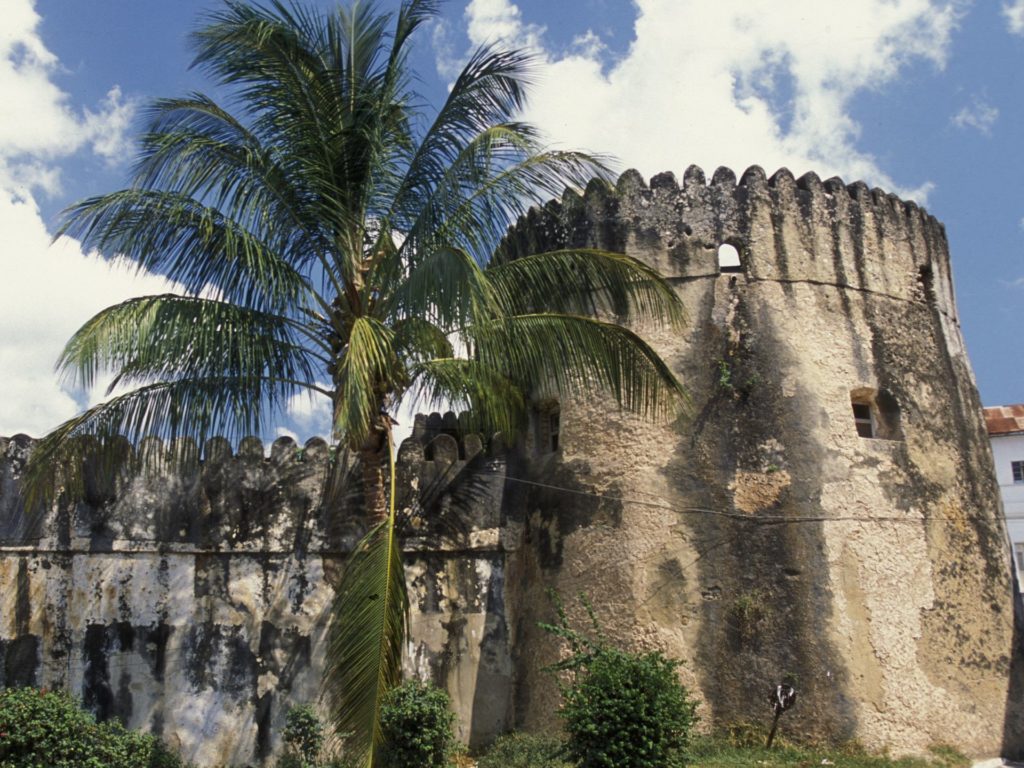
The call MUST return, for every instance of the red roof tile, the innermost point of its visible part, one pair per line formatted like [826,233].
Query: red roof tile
[1004,419]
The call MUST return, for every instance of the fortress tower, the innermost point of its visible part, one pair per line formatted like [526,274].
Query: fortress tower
[826,509]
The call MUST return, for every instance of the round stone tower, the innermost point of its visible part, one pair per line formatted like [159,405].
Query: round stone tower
[824,511]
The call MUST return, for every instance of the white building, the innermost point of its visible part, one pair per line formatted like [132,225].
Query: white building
[1005,425]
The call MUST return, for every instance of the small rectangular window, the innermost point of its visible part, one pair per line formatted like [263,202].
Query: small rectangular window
[1018,471]
[553,426]
[862,418]
[876,414]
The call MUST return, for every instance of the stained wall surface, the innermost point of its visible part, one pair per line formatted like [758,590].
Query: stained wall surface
[195,602]
[759,536]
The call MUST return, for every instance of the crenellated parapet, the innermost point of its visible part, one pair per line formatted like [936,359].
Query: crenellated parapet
[252,496]
[785,229]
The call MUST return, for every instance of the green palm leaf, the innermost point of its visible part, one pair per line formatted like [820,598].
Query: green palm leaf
[189,242]
[232,407]
[577,356]
[364,647]
[586,281]
[168,337]
[492,401]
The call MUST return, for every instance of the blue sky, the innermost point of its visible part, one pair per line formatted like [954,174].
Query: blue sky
[920,97]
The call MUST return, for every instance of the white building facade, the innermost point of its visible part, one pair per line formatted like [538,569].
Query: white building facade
[1005,425]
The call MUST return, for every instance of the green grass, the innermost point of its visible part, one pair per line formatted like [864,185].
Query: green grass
[745,747]
[742,747]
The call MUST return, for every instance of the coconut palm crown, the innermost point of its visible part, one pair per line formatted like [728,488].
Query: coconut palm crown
[332,239]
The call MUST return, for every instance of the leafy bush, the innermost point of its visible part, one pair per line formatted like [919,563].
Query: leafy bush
[621,709]
[416,721]
[627,710]
[524,750]
[49,728]
[304,735]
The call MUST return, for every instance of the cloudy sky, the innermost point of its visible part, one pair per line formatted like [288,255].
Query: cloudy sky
[921,97]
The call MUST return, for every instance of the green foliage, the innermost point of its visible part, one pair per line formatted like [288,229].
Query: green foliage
[417,725]
[364,644]
[626,710]
[304,735]
[621,709]
[49,728]
[724,375]
[524,750]
[747,612]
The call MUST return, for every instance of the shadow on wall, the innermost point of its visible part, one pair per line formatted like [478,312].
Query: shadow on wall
[1013,726]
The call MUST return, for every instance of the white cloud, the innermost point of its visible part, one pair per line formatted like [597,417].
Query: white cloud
[46,128]
[47,291]
[500,21]
[735,82]
[979,114]
[310,413]
[1014,13]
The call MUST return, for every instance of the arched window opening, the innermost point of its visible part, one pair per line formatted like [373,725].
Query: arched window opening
[876,414]
[728,258]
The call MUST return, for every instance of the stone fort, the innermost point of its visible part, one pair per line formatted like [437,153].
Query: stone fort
[825,510]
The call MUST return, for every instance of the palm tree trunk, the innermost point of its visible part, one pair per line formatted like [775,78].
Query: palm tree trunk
[373,461]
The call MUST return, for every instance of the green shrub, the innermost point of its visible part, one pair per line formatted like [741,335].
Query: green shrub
[627,710]
[524,750]
[304,735]
[621,709]
[40,728]
[416,721]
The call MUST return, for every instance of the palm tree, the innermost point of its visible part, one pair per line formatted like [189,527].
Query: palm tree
[331,240]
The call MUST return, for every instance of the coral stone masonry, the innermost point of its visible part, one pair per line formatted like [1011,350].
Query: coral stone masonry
[825,511]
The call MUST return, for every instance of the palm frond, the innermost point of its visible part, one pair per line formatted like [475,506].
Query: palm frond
[218,406]
[489,91]
[490,400]
[418,340]
[577,356]
[369,619]
[197,149]
[446,287]
[168,337]
[190,243]
[586,281]
[368,368]
[493,182]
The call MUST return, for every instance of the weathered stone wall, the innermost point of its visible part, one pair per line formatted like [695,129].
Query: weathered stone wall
[195,603]
[759,536]
[756,537]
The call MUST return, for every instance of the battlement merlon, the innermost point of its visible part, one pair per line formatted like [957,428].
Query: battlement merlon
[786,230]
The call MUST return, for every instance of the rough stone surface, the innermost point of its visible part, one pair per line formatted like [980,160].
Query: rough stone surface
[757,537]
